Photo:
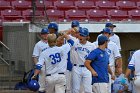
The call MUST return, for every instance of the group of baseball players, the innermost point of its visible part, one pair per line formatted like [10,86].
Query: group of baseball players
[67,62]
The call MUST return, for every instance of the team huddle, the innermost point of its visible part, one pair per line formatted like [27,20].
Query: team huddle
[67,62]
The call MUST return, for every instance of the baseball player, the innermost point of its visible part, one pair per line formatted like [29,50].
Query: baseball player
[80,74]
[113,37]
[115,60]
[53,27]
[38,49]
[134,66]
[97,62]
[55,59]
[74,24]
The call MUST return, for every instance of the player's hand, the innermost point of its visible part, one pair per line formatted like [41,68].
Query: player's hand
[34,77]
[94,73]
[113,77]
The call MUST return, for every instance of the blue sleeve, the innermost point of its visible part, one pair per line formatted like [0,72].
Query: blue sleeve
[69,64]
[131,68]
[70,41]
[92,56]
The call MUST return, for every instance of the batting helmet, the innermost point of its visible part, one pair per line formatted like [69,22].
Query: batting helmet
[75,23]
[45,31]
[53,25]
[84,32]
[33,85]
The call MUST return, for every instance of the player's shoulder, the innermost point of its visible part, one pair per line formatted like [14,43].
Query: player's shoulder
[137,52]
[116,36]
[112,43]
[95,43]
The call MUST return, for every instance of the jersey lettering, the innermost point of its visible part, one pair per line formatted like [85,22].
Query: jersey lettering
[82,49]
[55,58]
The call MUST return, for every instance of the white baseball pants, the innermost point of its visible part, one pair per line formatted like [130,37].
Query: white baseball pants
[81,75]
[56,83]
[100,88]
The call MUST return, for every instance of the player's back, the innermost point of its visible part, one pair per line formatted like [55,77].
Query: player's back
[115,38]
[55,59]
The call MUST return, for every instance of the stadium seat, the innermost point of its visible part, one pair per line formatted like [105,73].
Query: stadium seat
[138,5]
[105,4]
[28,14]
[41,4]
[11,14]
[55,14]
[5,5]
[126,5]
[118,15]
[134,14]
[85,5]
[64,5]
[97,15]
[21,4]
[75,15]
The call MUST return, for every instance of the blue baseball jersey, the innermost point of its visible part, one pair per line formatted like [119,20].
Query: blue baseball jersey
[100,62]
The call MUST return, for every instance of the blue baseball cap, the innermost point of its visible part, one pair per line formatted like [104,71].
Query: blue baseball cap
[106,30]
[84,32]
[75,23]
[102,39]
[45,31]
[110,25]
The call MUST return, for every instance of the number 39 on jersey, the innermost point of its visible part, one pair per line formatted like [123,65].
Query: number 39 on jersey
[55,58]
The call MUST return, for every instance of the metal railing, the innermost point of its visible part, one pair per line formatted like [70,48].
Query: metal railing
[8,63]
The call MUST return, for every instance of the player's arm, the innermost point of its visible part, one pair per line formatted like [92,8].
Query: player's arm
[88,61]
[35,60]
[131,66]
[39,65]
[36,53]
[88,66]
[111,73]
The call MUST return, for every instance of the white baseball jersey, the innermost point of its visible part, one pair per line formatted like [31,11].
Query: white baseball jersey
[135,62]
[113,51]
[114,38]
[79,51]
[55,59]
[39,48]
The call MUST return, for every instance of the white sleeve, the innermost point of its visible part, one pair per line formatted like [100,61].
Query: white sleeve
[94,46]
[36,51]
[132,61]
[73,38]
[118,43]
[116,51]
[66,47]
[41,60]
